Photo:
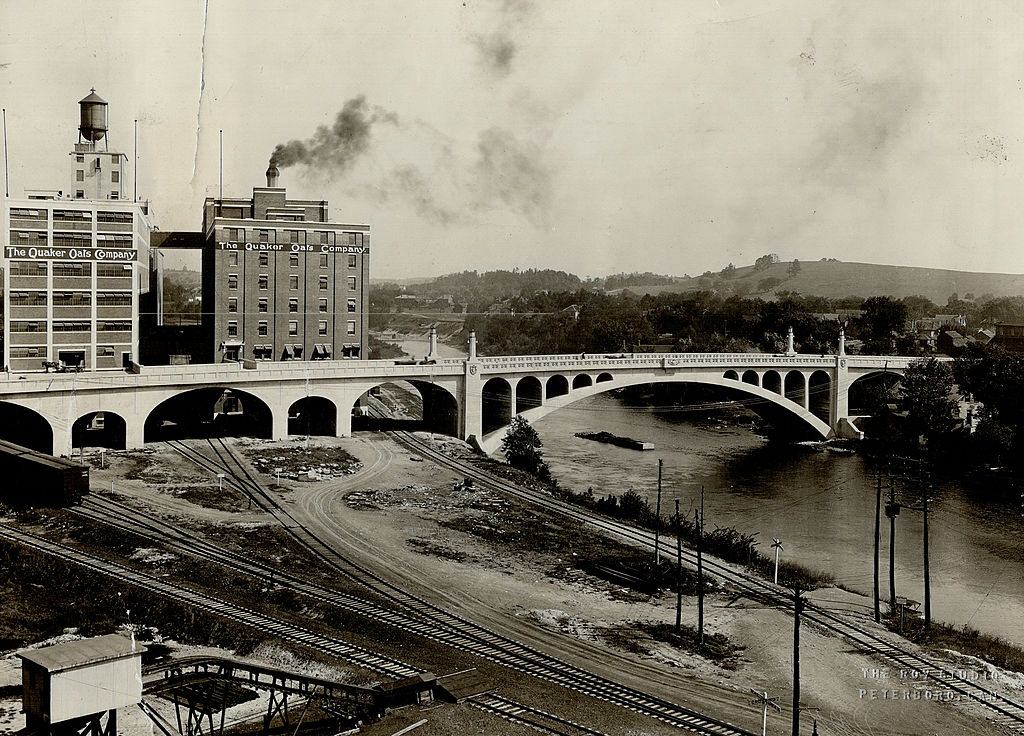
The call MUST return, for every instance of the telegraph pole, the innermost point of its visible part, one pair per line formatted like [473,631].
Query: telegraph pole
[679,571]
[700,570]
[878,538]
[657,523]
[798,605]
[765,702]
[892,510]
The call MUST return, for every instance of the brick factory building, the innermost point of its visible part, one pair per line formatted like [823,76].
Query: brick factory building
[281,281]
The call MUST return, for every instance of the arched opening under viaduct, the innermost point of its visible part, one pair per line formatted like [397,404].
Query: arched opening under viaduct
[496,404]
[529,394]
[819,389]
[410,406]
[313,416]
[772,381]
[751,378]
[871,391]
[731,375]
[557,386]
[604,377]
[796,387]
[26,427]
[582,381]
[212,411]
[100,429]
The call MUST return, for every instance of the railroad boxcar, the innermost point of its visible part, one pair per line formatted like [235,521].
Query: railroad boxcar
[36,479]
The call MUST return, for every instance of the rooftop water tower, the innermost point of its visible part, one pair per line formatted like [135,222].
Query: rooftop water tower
[93,125]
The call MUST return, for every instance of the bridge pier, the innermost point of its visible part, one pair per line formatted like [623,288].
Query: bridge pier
[279,423]
[472,419]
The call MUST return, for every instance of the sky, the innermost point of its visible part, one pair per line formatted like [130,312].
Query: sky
[592,136]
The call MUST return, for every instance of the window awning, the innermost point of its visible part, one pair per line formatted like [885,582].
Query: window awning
[288,351]
[231,344]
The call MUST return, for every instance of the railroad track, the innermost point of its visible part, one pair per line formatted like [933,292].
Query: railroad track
[1006,711]
[533,718]
[458,630]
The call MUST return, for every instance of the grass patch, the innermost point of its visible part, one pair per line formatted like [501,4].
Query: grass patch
[964,639]
[637,637]
[441,551]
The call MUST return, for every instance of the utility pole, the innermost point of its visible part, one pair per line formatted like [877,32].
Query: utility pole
[892,510]
[878,537]
[798,606]
[679,571]
[700,570]
[927,573]
[657,523]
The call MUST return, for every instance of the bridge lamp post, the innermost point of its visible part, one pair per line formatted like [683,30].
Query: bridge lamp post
[220,481]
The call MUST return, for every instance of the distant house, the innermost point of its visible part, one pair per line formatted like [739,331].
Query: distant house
[952,342]
[984,335]
[927,330]
[1009,336]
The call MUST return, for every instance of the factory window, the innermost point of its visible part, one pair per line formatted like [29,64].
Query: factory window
[323,306]
[233,258]
[293,260]
[114,217]
[322,327]
[263,304]
[27,326]
[264,282]
[72,269]
[293,283]
[351,305]
[262,328]
[114,298]
[351,261]
[293,305]
[79,175]
[325,238]
[293,236]
[71,326]
[232,328]
[233,304]
[115,177]
[264,236]
[323,260]
[351,327]
[114,326]
[293,328]
[323,283]
[104,351]
[80,158]
[114,194]
[264,259]
[28,268]
[237,234]
[351,283]
[79,194]
[114,270]
[27,298]
[72,299]
[263,352]
[232,280]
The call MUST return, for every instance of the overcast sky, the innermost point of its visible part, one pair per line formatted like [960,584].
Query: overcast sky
[589,136]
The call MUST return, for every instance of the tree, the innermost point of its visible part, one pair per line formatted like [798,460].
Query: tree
[521,447]
[927,395]
[728,272]
[794,268]
[765,261]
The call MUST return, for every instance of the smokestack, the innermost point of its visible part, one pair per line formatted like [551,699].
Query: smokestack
[273,173]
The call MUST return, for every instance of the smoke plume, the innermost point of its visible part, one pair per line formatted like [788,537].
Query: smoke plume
[497,49]
[336,147]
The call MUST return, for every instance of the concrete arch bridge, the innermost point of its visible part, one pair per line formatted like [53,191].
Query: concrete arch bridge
[472,398]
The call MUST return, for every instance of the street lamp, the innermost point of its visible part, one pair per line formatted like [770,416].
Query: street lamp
[777,546]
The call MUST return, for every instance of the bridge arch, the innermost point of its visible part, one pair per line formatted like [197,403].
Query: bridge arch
[529,394]
[731,375]
[210,411]
[795,387]
[777,409]
[100,429]
[752,378]
[863,387]
[772,381]
[602,377]
[25,427]
[582,380]
[819,394]
[315,416]
[556,386]
[437,409]
[496,404]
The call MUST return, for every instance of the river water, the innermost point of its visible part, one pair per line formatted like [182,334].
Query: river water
[820,504]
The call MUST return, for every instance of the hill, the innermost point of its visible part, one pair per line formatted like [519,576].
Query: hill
[839,279]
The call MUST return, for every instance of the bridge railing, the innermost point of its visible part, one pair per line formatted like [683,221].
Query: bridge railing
[646,360]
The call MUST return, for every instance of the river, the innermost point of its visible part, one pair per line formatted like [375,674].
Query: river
[820,504]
